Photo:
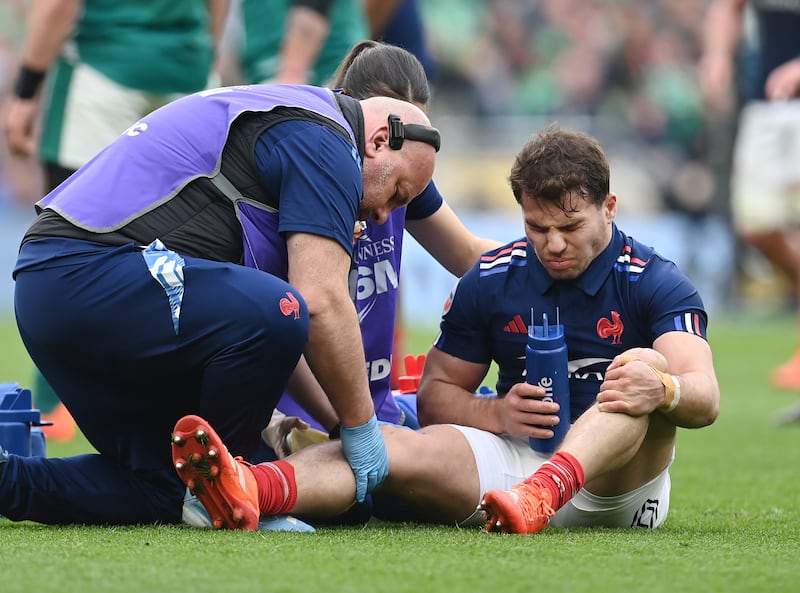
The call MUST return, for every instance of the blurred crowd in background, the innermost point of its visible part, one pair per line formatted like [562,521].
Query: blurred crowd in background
[625,71]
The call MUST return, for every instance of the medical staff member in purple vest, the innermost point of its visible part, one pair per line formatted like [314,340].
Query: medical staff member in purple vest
[373,68]
[187,267]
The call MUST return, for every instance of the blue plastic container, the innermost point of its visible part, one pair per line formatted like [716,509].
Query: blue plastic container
[20,422]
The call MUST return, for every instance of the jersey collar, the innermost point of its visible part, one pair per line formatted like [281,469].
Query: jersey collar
[591,281]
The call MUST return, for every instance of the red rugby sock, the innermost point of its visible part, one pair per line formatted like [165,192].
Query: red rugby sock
[277,488]
[563,476]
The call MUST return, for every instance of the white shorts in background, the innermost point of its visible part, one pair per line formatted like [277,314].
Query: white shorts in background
[89,111]
[765,180]
[504,461]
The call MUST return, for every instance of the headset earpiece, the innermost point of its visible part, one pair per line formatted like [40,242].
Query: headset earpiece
[399,132]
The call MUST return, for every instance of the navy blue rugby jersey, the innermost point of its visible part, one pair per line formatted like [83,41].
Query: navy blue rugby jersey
[629,296]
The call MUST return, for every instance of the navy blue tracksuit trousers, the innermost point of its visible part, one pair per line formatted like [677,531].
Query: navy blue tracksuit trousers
[99,327]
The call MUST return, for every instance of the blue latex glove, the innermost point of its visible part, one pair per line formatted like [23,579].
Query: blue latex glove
[365,450]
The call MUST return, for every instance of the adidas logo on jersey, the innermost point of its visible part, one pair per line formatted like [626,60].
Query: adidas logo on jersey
[516,326]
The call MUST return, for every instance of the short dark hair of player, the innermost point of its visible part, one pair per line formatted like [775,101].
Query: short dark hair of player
[556,163]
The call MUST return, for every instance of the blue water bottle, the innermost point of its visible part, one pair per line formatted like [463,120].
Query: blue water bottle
[546,366]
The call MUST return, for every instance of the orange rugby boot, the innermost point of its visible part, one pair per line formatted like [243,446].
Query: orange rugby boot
[787,376]
[526,508]
[224,485]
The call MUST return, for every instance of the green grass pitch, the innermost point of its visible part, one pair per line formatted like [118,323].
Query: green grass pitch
[734,523]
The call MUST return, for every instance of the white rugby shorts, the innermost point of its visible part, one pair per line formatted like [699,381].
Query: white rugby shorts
[91,110]
[504,461]
[765,180]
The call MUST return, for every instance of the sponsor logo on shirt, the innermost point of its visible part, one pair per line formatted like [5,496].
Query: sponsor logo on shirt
[374,273]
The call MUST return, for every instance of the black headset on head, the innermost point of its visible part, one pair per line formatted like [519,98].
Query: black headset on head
[399,132]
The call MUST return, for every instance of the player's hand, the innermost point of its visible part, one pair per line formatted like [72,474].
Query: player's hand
[524,413]
[365,450]
[277,432]
[631,386]
[783,83]
[20,122]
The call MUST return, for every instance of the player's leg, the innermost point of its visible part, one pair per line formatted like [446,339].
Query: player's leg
[765,203]
[787,121]
[433,471]
[316,481]
[608,454]
[644,507]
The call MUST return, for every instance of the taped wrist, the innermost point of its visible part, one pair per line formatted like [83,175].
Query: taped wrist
[672,387]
